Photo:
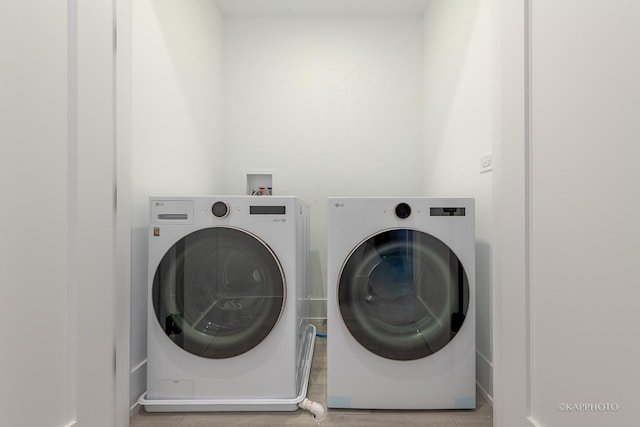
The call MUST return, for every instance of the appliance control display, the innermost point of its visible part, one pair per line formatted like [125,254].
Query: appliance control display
[448,211]
[267,210]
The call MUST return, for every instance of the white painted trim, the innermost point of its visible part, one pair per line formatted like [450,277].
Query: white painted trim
[97,277]
[137,383]
[134,408]
[533,423]
[138,366]
[72,203]
[122,177]
[511,297]
[484,375]
[528,220]
[484,358]
[71,424]
[484,394]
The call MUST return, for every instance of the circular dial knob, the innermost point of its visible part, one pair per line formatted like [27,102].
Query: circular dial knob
[220,209]
[403,210]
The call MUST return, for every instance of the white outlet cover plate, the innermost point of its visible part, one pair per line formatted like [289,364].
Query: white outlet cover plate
[486,163]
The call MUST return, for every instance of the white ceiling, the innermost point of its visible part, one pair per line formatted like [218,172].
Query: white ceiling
[323,7]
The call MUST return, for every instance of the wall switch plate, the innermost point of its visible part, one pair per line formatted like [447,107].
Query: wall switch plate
[486,163]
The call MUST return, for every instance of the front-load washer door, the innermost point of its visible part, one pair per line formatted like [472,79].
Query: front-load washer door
[403,294]
[218,292]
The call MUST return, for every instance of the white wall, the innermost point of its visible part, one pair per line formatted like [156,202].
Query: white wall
[458,131]
[176,127]
[567,209]
[584,207]
[58,225]
[331,102]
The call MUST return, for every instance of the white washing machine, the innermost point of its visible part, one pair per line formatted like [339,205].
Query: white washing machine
[228,304]
[401,303]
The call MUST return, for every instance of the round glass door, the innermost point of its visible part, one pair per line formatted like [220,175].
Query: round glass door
[403,294]
[218,292]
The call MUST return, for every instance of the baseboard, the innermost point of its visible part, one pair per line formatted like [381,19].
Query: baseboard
[533,422]
[484,394]
[137,384]
[71,424]
[134,409]
[484,376]
[136,406]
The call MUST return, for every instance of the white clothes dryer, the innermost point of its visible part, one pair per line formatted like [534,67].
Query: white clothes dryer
[401,303]
[228,304]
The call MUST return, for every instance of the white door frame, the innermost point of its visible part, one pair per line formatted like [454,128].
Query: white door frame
[122,67]
[511,341]
[99,96]
[511,240]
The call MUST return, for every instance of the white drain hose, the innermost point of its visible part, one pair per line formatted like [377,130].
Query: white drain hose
[315,408]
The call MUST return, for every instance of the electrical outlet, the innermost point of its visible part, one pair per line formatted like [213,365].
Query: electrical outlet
[486,163]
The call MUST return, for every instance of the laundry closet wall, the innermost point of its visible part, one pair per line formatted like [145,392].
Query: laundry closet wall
[332,103]
[330,94]
[176,128]
[458,131]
